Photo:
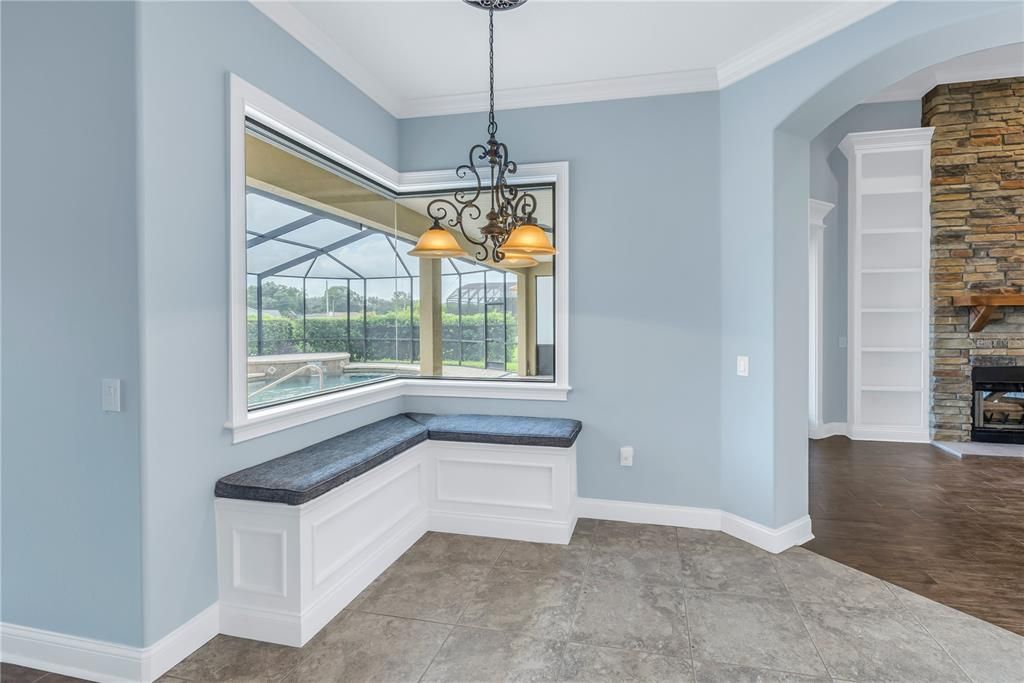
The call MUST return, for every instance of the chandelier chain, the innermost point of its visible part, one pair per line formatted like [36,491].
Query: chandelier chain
[492,124]
[510,207]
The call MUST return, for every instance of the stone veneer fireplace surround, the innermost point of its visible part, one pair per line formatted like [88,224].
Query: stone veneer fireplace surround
[977,241]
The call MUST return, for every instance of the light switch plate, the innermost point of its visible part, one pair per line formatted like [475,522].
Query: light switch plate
[743,366]
[112,395]
[626,456]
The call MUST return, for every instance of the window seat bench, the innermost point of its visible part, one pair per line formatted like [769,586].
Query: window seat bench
[299,536]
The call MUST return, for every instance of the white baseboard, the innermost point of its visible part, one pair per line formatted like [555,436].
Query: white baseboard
[795,533]
[766,538]
[898,435]
[827,429]
[180,643]
[534,530]
[649,513]
[96,660]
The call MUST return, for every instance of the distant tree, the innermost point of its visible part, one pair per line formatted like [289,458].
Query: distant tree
[288,300]
[277,297]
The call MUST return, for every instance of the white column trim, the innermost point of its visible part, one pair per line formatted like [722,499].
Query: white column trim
[817,211]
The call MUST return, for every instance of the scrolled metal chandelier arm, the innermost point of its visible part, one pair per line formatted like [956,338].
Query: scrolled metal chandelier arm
[510,208]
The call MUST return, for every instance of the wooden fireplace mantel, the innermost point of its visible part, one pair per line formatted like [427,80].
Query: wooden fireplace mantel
[984,305]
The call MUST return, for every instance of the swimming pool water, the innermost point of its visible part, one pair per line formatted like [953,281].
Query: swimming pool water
[306,384]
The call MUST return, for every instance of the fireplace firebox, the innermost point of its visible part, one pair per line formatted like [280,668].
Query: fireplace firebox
[998,415]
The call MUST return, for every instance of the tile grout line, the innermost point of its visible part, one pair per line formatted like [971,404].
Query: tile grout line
[796,608]
[444,642]
[483,581]
[686,611]
[920,622]
[583,580]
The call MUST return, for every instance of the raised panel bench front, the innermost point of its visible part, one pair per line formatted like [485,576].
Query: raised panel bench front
[285,570]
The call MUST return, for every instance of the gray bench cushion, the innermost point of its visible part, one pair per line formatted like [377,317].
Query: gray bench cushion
[501,429]
[301,476]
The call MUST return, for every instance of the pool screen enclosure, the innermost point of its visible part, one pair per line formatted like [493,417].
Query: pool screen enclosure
[319,283]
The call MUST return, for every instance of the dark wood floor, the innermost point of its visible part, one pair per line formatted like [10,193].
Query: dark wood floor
[951,530]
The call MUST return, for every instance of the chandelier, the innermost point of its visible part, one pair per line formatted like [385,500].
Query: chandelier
[511,234]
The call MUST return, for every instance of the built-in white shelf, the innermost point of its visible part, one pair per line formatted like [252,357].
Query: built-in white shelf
[889,242]
[885,388]
[892,185]
[890,231]
[873,271]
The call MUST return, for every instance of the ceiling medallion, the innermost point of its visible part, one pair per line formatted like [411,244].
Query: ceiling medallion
[511,230]
[496,5]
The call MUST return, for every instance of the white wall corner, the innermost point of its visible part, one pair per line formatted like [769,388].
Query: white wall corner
[827,429]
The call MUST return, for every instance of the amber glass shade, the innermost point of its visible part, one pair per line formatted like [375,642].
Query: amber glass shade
[528,240]
[517,261]
[437,243]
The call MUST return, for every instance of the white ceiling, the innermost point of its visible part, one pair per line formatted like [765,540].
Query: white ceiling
[999,62]
[428,57]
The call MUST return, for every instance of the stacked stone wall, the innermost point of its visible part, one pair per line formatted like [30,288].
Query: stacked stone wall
[977,236]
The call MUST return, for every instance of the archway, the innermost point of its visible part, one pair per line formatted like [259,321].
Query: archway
[768,122]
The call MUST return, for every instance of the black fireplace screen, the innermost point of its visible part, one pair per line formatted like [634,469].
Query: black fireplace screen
[998,404]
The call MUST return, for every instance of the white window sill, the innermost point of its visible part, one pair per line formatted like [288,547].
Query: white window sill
[272,419]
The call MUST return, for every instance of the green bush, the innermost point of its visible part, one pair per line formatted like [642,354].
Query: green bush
[324,335]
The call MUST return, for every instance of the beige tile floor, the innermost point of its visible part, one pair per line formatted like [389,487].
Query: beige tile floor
[622,602]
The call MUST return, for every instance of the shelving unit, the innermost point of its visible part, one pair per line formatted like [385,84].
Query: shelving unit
[889,233]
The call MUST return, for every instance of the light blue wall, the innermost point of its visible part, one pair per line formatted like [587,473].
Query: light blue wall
[186,51]
[768,120]
[650,169]
[828,183]
[70,498]
[643,309]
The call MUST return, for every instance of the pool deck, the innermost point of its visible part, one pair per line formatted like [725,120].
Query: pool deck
[414,369]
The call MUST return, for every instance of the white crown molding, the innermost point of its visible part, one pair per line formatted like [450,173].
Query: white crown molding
[878,140]
[914,89]
[817,210]
[778,47]
[671,83]
[299,27]
[794,39]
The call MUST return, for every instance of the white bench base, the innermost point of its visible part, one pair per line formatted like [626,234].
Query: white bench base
[285,571]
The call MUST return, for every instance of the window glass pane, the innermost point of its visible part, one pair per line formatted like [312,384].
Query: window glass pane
[371,257]
[270,254]
[322,233]
[337,301]
[410,262]
[328,267]
[263,214]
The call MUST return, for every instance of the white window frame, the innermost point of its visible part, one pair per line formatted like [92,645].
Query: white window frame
[245,100]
